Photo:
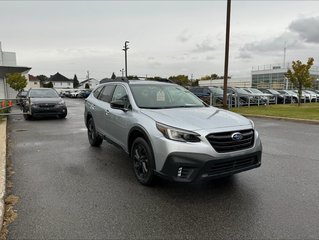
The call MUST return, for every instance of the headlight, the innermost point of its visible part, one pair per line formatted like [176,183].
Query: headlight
[61,102]
[252,123]
[177,134]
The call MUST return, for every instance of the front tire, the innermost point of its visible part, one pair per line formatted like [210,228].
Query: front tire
[94,138]
[26,115]
[143,161]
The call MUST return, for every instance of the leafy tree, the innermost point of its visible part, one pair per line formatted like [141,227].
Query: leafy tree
[213,76]
[299,75]
[207,77]
[180,79]
[75,81]
[16,81]
[131,77]
[48,85]
[195,83]
[113,76]
[87,86]
[42,78]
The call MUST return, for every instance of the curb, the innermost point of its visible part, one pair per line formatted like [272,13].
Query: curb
[3,148]
[284,119]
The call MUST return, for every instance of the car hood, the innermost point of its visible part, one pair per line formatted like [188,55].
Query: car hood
[45,100]
[196,118]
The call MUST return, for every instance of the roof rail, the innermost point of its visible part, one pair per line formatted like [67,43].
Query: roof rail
[117,79]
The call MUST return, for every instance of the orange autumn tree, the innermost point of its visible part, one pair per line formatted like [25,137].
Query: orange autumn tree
[299,75]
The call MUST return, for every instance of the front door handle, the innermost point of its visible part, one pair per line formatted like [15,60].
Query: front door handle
[107,112]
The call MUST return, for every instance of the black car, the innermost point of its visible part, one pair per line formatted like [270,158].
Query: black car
[242,97]
[211,95]
[44,102]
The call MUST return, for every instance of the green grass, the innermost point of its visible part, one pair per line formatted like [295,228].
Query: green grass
[305,111]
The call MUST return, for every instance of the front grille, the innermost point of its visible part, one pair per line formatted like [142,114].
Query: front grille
[224,167]
[47,105]
[223,142]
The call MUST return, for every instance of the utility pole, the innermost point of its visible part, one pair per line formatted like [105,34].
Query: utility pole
[87,74]
[285,54]
[122,71]
[125,50]
[226,54]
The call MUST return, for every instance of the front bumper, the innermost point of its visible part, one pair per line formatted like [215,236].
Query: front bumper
[48,111]
[191,167]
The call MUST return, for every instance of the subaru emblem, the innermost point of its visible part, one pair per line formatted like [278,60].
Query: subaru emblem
[237,136]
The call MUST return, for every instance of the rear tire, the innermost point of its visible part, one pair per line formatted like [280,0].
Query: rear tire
[94,138]
[143,161]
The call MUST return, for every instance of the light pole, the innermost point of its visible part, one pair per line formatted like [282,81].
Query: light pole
[226,54]
[122,71]
[125,50]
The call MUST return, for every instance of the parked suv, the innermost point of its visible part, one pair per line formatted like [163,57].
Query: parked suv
[169,132]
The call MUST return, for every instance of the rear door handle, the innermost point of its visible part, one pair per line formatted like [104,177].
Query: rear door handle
[107,112]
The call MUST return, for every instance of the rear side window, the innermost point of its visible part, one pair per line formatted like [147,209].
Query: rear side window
[106,93]
[97,91]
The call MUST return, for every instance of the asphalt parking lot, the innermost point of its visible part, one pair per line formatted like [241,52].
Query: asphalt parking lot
[68,189]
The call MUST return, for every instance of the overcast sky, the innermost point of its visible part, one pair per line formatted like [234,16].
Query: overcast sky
[166,38]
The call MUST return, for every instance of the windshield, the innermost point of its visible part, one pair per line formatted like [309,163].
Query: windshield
[217,91]
[255,90]
[43,93]
[164,96]
[274,91]
[240,91]
[291,92]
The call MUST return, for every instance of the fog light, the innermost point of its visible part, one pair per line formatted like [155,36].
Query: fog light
[179,173]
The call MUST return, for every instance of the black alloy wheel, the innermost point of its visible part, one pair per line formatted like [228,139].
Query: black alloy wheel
[143,161]
[94,138]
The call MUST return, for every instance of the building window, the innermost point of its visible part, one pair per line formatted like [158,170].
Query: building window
[35,83]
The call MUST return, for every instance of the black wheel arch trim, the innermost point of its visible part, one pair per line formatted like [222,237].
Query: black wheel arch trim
[144,134]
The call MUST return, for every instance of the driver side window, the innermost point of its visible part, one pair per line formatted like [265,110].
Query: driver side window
[121,95]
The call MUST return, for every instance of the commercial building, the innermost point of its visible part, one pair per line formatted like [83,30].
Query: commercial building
[273,76]
[8,64]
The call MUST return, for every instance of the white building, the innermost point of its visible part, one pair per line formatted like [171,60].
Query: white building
[33,82]
[92,82]
[8,64]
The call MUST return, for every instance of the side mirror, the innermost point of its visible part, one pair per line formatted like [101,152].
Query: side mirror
[119,104]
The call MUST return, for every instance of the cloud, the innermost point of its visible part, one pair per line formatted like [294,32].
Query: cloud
[244,55]
[306,28]
[184,36]
[272,45]
[153,63]
[204,46]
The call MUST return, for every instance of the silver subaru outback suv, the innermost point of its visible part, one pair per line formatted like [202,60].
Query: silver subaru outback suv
[169,132]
